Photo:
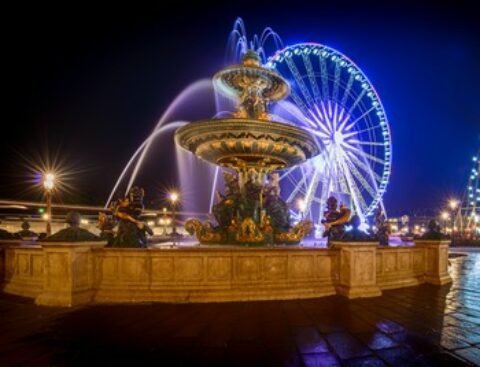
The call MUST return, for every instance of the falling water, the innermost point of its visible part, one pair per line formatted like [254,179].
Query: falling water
[181,105]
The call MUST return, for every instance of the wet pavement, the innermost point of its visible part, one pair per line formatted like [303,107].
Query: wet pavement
[416,326]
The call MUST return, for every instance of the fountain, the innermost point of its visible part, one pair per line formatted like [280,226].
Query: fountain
[253,146]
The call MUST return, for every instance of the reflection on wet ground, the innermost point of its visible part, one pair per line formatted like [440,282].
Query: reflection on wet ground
[416,326]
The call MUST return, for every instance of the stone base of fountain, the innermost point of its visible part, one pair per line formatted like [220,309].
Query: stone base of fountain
[71,274]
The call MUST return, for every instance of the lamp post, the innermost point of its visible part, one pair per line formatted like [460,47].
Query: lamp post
[49,185]
[453,206]
[445,219]
[173,199]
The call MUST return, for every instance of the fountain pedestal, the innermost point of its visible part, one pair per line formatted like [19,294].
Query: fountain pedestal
[69,272]
[357,270]
[436,260]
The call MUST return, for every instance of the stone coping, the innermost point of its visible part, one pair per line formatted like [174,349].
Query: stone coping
[221,248]
[72,244]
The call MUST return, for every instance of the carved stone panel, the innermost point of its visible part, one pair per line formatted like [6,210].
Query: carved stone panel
[276,267]
[248,268]
[162,269]
[219,268]
[189,269]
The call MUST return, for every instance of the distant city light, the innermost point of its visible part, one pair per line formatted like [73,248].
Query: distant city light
[453,204]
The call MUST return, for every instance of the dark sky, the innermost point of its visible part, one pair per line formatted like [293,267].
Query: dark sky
[90,82]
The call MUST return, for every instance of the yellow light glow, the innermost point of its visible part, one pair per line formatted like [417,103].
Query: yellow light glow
[173,197]
[45,216]
[49,181]
[445,215]
[453,204]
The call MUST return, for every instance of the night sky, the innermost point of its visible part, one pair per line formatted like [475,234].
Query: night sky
[90,83]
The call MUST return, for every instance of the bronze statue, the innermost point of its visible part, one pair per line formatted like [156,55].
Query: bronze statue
[250,213]
[26,233]
[74,233]
[334,220]
[355,233]
[132,232]
[434,232]
[383,228]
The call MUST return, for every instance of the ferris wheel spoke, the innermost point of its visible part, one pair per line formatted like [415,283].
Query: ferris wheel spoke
[363,115]
[366,155]
[357,101]
[299,102]
[361,131]
[295,112]
[342,119]
[312,188]
[371,143]
[346,93]
[366,185]
[287,172]
[355,192]
[336,81]
[296,190]
[364,166]
[326,117]
[299,80]
[324,76]
[311,78]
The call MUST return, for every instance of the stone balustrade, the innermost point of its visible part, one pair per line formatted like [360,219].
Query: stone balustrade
[69,274]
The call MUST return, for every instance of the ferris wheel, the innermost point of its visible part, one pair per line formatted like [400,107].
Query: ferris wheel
[471,201]
[334,100]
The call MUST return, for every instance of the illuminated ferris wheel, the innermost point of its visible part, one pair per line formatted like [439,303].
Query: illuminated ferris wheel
[471,201]
[334,100]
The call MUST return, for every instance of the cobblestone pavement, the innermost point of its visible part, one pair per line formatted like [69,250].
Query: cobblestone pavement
[416,326]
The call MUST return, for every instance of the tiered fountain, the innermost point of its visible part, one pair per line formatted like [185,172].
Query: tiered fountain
[252,146]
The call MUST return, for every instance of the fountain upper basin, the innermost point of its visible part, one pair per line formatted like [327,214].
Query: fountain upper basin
[247,143]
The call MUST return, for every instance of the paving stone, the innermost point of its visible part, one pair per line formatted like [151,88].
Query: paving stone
[377,340]
[309,340]
[443,359]
[320,360]
[399,356]
[462,334]
[389,327]
[365,362]
[470,354]
[346,346]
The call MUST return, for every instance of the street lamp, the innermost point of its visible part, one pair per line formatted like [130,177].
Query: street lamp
[173,199]
[49,185]
[445,216]
[453,206]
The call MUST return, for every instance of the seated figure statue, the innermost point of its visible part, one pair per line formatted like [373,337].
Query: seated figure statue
[226,208]
[74,233]
[355,233]
[132,232]
[277,209]
[334,220]
[26,233]
[383,228]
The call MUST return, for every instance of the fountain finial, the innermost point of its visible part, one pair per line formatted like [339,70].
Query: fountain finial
[251,58]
